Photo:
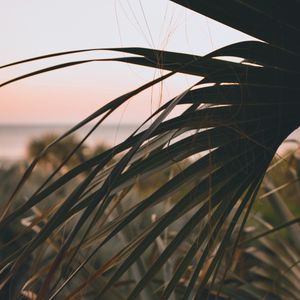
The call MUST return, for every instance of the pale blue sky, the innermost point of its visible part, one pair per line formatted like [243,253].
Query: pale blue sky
[32,27]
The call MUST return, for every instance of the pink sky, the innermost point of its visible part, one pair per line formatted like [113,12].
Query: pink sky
[32,28]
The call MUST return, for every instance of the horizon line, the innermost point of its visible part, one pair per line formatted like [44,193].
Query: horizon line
[9,124]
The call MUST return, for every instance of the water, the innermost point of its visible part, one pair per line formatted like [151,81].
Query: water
[14,139]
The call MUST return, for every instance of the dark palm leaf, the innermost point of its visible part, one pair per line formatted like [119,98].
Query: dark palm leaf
[238,115]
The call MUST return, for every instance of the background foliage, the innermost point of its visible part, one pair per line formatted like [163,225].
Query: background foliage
[102,239]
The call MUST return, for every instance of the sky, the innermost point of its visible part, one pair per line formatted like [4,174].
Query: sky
[32,28]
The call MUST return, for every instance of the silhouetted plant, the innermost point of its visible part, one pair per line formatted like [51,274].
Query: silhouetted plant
[238,114]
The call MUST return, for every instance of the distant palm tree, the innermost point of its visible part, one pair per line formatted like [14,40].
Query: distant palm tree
[238,115]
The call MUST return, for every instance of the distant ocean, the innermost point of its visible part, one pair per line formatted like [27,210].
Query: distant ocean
[14,139]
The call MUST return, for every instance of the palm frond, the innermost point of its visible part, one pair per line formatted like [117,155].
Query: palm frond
[238,115]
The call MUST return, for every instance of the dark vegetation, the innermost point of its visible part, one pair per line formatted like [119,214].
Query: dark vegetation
[203,230]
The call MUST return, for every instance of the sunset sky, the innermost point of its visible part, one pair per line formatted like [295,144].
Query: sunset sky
[31,28]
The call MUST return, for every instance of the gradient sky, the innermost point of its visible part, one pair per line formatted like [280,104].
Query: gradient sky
[31,28]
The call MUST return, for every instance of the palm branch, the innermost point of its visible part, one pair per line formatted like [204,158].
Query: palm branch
[238,114]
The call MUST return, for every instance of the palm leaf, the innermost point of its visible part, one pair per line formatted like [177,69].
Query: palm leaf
[238,115]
